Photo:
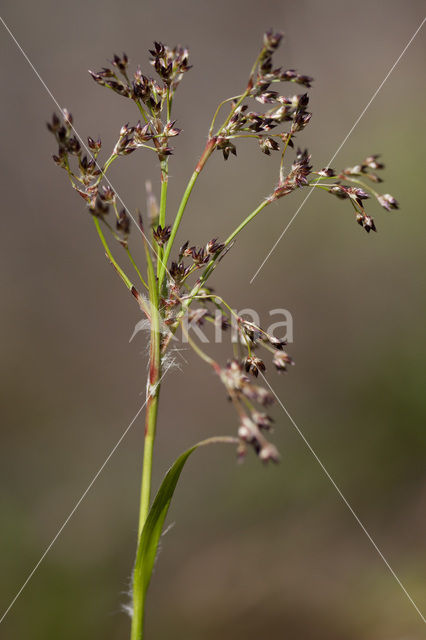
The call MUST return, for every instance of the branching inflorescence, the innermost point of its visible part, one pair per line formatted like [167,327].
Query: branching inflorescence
[176,280]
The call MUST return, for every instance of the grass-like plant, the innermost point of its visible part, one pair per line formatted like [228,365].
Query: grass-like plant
[173,284]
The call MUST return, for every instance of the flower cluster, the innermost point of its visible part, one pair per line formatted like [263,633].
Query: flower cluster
[260,113]
[362,190]
[199,256]
[179,272]
[237,383]
[69,145]
[243,122]
[85,172]
[267,126]
[170,63]
[240,388]
[252,422]
[161,234]
[151,97]
[296,178]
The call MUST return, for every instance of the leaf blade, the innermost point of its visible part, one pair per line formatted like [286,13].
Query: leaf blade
[151,532]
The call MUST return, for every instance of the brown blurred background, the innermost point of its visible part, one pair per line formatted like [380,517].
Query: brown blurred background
[255,552]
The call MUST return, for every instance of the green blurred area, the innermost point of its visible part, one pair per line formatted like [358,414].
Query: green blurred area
[255,552]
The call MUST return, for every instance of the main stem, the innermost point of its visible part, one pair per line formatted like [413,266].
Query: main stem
[153,394]
[150,428]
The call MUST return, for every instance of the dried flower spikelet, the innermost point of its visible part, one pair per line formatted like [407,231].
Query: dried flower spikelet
[108,78]
[271,41]
[120,63]
[371,162]
[327,172]
[268,144]
[250,433]
[237,383]
[232,376]
[388,202]
[253,365]
[259,394]
[290,75]
[298,176]
[123,222]
[107,194]
[161,235]
[281,359]
[277,343]
[262,420]
[222,322]
[94,145]
[199,256]
[99,208]
[142,133]
[249,330]
[170,63]
[246,430]
[125,143]
[64,135]
[213,247]
[178,271]
[269,453]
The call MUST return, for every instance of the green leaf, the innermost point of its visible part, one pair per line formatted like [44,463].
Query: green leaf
[151,532]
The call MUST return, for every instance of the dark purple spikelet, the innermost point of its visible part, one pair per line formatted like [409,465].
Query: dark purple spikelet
[161,235]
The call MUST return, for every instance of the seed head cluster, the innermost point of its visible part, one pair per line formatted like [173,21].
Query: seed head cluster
[261,113]
[357,194]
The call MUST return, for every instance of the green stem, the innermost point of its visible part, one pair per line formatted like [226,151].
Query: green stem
[142,110]
[326,187]
[246,221]
[163,203]
[150,425]
[107,164]
[211,142]
[150,428]
[176,223]
[243,96]
[119,270]
[366,186]
[135,266]
[199,351]
[151,414]
[216,113]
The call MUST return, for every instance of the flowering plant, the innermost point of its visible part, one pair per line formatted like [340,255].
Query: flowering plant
[173,286]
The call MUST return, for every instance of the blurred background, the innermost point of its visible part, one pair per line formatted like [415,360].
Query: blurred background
[255,552]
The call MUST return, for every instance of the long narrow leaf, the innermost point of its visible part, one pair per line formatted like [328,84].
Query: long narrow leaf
[151,532]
